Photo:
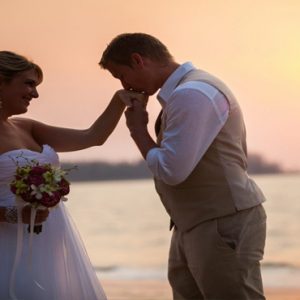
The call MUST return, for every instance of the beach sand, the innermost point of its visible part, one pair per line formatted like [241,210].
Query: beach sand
[160,290]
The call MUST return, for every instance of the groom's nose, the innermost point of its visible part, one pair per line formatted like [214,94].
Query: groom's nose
[34,93]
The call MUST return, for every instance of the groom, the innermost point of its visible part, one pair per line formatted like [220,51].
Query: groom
[199,163]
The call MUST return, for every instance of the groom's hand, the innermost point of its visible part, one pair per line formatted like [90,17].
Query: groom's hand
[137,120]
[136,117]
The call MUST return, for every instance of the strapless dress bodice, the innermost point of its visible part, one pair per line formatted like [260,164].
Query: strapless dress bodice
[9,161]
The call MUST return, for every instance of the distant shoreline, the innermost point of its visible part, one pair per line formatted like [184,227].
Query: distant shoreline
[98,170]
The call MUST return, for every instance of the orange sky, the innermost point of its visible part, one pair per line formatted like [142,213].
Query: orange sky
[253,46]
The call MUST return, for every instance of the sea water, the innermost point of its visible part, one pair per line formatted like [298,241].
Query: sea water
[125,228]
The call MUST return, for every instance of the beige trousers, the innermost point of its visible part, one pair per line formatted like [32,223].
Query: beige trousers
[219,259]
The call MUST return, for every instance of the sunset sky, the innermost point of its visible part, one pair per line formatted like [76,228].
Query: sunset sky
[254,46]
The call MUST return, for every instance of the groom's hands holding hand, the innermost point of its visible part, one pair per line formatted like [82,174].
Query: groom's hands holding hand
[136,117]
[137,121]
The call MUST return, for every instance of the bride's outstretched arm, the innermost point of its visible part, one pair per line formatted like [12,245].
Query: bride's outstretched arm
[67,139]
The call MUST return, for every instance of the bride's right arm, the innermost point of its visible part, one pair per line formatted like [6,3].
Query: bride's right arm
[67,139]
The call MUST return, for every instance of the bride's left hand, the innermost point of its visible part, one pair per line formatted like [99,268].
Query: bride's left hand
[41,215]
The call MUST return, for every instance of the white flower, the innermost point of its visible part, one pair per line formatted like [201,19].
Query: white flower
[36,192]
[58,174]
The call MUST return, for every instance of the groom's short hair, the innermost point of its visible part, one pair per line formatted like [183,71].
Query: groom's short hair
[119,50]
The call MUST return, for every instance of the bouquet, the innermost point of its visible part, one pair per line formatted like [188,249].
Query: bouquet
[40,185]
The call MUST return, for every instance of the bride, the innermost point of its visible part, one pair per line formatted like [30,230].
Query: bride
[60,268]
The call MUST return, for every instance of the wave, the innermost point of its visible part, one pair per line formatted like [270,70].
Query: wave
[151,270]
[105,268]
[280,265]
[115,272]
[275,274]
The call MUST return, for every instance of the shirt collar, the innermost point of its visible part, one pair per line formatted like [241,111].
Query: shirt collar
[172,81]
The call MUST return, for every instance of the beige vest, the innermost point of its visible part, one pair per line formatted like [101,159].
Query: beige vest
[219,184]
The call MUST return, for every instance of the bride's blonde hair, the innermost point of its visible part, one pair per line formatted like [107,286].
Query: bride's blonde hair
[11,64]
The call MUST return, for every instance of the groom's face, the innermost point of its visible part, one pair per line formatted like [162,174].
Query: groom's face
[135,77]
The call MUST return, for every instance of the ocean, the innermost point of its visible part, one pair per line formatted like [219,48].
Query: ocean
[125,228]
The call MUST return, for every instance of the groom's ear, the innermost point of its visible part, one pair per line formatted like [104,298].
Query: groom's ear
[137,60]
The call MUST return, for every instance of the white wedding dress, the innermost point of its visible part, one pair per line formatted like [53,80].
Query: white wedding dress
[60,268]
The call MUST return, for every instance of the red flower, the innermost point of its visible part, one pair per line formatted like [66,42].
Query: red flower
[50,200]
[64,187]
[27,197]
[35,179]
[13,189]
[38,170]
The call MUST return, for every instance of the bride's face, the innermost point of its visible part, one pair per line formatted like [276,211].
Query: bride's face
[17,93]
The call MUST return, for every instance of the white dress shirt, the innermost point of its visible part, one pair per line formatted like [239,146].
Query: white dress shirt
[194,113]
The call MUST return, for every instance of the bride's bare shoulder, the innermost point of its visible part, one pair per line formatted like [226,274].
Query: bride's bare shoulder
[15,134]
[25,123]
